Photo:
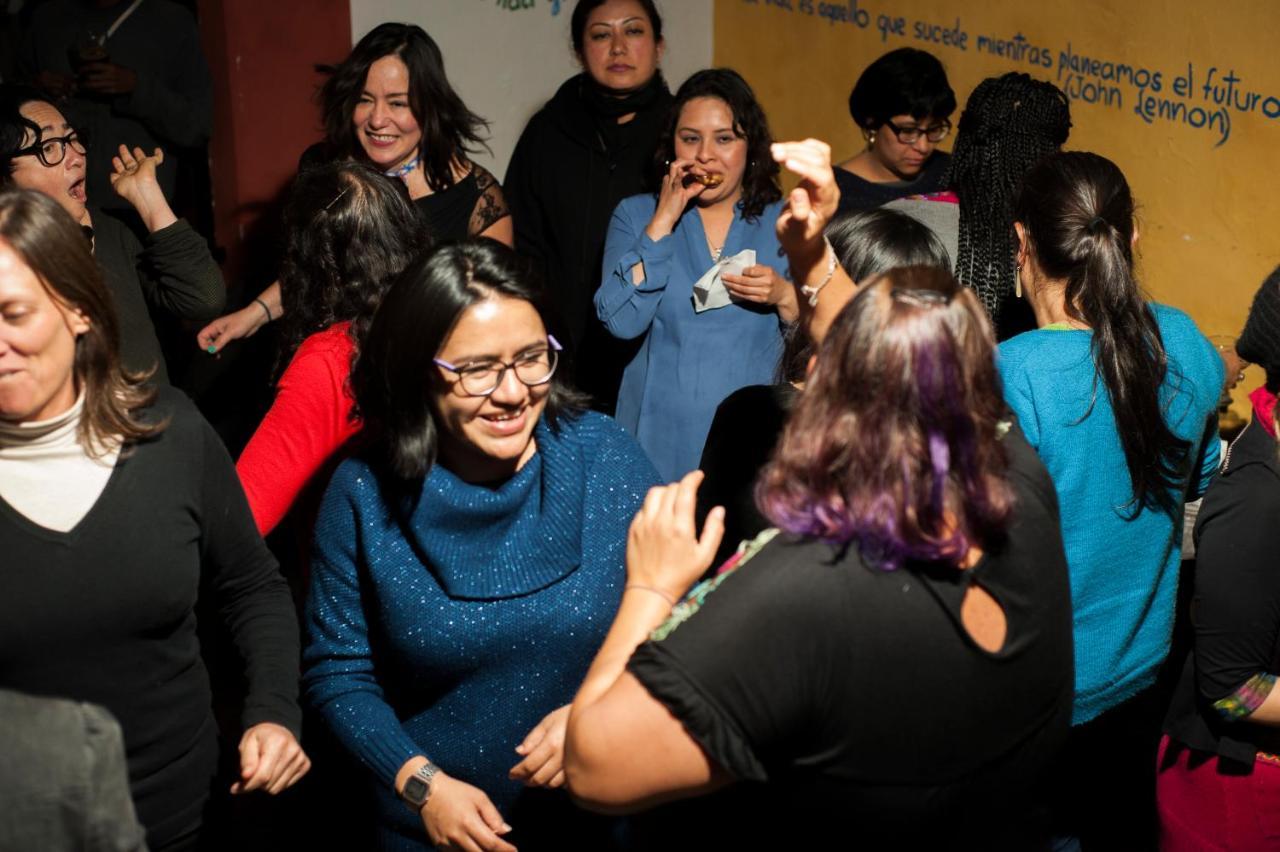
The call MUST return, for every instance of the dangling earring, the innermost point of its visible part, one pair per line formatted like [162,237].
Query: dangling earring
[1017,281]
[871,138]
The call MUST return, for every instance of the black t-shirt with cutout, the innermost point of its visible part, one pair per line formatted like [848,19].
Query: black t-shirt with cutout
[857,697]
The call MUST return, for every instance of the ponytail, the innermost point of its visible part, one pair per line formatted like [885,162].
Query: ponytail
[1078,214]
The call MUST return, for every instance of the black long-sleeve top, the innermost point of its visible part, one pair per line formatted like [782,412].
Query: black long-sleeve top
[171,272]
[1235,610]
[105,613]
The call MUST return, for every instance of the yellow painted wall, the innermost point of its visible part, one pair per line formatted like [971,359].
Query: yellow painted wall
[1209,196]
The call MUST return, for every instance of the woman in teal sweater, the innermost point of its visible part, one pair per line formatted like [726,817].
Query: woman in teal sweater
[1115,393]
[467,565]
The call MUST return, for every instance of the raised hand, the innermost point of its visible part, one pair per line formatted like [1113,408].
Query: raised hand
[664,551]
[678,189]
[812,204]
[133,177]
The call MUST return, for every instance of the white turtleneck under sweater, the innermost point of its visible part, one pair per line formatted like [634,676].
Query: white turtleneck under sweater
[47,475]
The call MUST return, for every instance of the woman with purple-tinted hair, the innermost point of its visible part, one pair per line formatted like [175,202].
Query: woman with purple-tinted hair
[896,653]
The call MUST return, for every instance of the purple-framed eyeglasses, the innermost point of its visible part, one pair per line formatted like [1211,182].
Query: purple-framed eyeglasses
[534,367]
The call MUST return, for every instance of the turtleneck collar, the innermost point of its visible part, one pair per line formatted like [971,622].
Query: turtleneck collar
[486,543]
[55,430]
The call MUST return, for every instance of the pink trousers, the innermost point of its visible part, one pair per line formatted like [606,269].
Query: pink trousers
[1205,807]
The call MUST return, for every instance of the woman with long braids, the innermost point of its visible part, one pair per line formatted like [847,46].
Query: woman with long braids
[1009,123]
[1115,394]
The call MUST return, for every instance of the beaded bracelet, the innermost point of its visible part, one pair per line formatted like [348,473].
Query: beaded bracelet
[812,292]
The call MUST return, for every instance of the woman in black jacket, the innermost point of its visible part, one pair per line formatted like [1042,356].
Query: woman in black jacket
[1219,774]
[591,146]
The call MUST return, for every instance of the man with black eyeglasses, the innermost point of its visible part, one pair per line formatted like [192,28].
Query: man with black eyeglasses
[130,72]
[170,272]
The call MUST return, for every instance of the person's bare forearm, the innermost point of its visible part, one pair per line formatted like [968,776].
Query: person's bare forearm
[642,610]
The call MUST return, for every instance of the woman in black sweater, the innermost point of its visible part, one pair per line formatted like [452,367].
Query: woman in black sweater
[117,504]
[591,146]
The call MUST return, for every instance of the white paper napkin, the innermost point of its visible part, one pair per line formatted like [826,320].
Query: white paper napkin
[709,291]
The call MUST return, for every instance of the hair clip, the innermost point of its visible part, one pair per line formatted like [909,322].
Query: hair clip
[921,298]
[338,197]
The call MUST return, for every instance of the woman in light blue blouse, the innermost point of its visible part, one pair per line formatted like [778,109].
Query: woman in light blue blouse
[711,224]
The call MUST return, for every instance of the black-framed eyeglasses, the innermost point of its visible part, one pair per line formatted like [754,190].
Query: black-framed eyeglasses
[533,368]
[53,151]
[911,135]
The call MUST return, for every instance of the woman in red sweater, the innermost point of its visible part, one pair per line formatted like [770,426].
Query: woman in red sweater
[350,233]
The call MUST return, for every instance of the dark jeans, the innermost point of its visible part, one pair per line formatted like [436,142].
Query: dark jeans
[1105,782]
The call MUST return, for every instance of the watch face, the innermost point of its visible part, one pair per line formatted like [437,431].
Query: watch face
[415,790]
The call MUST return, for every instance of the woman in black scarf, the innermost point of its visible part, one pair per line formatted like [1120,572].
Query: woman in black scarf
[591,146]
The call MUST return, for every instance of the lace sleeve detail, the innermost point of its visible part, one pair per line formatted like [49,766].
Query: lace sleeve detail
[490,206]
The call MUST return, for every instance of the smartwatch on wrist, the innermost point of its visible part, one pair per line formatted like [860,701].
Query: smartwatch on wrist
[418,788]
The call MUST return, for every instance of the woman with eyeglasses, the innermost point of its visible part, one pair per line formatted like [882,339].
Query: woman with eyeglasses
[170,272]
[467,563]
[902,104]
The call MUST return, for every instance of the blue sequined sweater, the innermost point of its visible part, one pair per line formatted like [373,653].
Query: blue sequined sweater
[453,634]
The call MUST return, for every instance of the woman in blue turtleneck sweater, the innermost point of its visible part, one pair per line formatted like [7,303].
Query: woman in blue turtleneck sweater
[467,568]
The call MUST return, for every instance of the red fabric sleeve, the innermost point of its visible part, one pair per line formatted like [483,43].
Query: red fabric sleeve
[309,421]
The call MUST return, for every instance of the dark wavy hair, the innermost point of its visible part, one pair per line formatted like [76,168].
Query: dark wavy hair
[895,444]
[350,232]
[54,247]
[867,243]
[392,375]
[760,186]
[449,129]
[584,8]
[906,81]
[1077,213]
[1009,124]
[14,126]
